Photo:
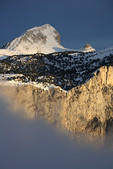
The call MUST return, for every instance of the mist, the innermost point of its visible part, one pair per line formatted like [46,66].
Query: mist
[37,144]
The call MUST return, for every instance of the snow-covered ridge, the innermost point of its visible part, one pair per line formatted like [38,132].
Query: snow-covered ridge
[4,53]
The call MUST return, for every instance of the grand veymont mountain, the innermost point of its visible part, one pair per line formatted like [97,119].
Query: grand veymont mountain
[71,88]
[44,39]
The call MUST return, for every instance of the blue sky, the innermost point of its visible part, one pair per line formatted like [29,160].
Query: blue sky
[78,21]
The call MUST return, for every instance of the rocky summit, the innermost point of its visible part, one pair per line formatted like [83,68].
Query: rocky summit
[87,48]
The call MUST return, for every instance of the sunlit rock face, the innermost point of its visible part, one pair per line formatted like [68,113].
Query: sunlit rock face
[87,108]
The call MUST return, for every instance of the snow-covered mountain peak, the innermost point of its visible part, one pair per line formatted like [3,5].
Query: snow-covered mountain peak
[87,48]
[43,39]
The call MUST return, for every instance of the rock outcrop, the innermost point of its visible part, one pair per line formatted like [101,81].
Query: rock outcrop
[87,48]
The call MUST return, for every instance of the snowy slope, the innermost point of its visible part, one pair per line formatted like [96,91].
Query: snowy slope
[4,53]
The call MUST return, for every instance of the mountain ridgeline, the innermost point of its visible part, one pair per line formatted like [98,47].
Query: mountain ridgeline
[64,69]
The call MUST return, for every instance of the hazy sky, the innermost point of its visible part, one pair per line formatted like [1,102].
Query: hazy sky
[78,21]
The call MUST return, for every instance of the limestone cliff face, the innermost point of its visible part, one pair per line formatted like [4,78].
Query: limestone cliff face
[92,103]
[86,108]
